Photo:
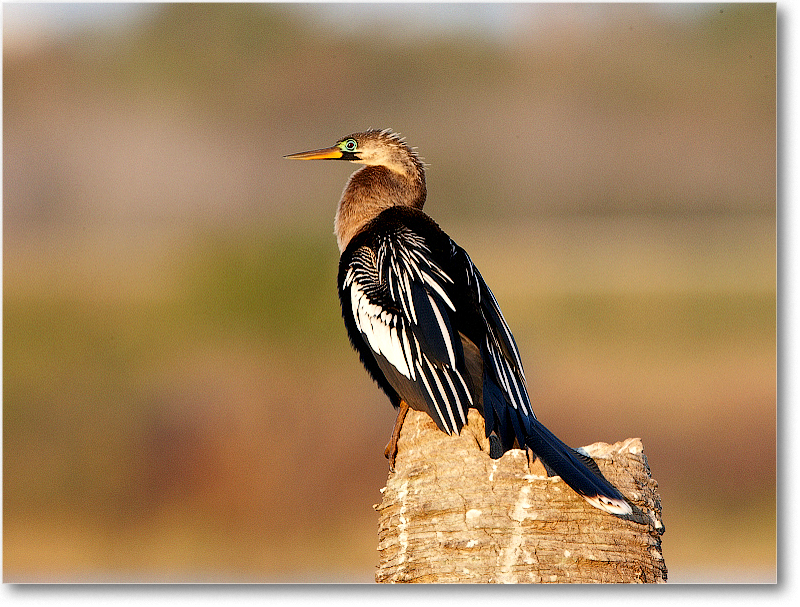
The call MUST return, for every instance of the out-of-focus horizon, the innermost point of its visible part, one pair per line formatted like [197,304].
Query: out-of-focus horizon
[180,400]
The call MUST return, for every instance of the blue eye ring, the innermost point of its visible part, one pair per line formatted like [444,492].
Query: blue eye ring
[349,145]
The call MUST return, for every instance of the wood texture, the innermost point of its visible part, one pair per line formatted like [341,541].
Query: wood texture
[452,514]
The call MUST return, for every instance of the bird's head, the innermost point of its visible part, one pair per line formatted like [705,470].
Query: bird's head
[394,175]
[373,147]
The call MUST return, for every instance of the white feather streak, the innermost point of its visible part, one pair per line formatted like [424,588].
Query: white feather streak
[435,400]
[613,506]
[445,400]
[451,357]
[380,330]
[455,394]
[435,286]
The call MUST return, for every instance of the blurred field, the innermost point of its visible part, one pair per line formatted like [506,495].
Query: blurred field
[180,402]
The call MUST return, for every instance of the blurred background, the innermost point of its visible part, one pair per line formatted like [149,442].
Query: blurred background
[180,401]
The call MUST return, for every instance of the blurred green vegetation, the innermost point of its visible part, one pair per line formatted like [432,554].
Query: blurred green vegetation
[180,400]
[281,290]
[706,321]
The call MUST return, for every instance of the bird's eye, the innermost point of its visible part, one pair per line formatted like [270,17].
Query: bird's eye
[349,145]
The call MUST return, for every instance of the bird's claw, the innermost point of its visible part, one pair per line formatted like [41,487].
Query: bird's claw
[390,452]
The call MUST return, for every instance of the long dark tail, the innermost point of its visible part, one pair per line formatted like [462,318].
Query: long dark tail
[577,470]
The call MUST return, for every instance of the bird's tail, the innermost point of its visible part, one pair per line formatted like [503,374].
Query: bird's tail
[577,470]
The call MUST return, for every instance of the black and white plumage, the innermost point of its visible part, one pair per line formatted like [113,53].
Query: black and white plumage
[423,320]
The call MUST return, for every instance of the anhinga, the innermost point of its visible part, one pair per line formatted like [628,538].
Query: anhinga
[424,322]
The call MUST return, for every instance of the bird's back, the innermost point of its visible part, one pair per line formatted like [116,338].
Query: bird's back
[424,322]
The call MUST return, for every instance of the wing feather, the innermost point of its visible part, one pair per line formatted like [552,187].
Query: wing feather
[502,361]
[402,307]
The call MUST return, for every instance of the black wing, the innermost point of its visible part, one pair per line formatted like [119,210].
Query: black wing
[506,405]
[402,307]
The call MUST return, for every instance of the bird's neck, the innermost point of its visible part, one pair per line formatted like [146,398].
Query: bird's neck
[370,191]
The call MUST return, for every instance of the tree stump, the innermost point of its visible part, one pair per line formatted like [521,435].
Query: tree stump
[450,513]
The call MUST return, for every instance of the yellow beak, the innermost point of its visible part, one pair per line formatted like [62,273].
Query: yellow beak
[324,154]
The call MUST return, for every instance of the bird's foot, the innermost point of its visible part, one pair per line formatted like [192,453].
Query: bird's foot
[391,453]
[391,449]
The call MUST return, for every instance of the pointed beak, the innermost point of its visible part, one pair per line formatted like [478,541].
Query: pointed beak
[333,153]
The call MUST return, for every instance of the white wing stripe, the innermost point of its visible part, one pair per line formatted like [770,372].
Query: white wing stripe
[459,407]
[519,399]
[509,338]
[435,286]
[466,391]
[501,374]
[407,303]
[512,385]
[435,400]
[445,400]
[380,330]
[409,358]
[448,342]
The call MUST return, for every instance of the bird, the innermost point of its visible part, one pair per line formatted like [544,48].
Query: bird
[424,322]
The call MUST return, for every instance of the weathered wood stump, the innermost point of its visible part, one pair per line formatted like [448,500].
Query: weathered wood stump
[452,514]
